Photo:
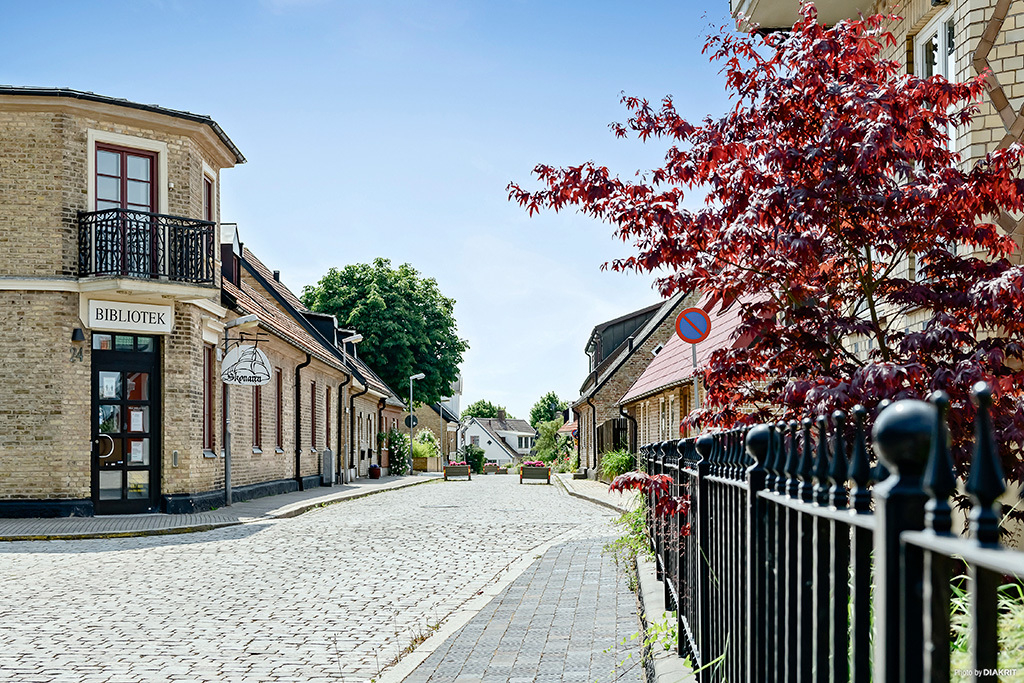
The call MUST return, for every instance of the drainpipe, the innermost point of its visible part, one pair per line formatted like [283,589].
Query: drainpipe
[352,423]
[340,476]
[631,435]
[298,420]
[593,428]
[380,421]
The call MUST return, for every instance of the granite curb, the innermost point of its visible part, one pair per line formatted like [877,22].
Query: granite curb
[661,666]
[566,484]
[283,512]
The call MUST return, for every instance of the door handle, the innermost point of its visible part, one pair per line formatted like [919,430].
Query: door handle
[108,438]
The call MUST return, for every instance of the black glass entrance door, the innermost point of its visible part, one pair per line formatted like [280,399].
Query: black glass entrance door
[125,423]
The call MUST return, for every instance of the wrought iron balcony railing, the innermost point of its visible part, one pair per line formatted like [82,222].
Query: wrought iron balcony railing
[137,244]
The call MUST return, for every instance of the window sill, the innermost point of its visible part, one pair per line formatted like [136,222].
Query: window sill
[256,450]
[207,453]
[313,451]
[279,450]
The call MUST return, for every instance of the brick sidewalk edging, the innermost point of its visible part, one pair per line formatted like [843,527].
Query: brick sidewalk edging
[662,666]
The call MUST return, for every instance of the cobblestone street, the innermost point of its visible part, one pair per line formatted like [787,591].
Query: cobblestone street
[334,594]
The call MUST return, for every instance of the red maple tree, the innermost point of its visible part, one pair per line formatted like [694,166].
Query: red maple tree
[829,176]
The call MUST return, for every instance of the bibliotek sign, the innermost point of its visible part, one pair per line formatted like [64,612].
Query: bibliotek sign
[122,316]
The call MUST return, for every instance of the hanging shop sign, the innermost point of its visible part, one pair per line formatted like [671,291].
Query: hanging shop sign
[123,316]
[245,365]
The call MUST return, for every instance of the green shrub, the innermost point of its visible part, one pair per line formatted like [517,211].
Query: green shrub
[614,463]
[422,450]
[474,455]
[427,437]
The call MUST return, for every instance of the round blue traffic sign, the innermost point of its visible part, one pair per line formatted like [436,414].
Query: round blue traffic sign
[693,325]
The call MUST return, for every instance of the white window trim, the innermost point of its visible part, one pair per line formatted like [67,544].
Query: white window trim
[920,39]
[101,136]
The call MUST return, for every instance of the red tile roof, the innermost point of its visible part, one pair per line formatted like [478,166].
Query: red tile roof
[674,363]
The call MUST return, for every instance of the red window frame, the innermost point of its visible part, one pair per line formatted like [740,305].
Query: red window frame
[312,415]
[327,416]
[123,177]
[257,416]
[208,390]
[207,199]
[279,407]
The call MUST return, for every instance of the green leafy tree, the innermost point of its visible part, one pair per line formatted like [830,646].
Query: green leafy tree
[408,326]
[483,408]
[549,444]
[548,407]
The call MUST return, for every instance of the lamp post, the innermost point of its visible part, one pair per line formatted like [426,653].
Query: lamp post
[412,416]
[246,322]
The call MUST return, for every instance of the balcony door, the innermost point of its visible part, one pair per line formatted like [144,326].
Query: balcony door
[125,423]
[125,179]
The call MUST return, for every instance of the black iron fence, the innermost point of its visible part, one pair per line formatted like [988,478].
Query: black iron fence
[137,244]
[798,561]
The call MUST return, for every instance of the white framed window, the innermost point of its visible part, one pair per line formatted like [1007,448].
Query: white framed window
[102,137]
[935,47]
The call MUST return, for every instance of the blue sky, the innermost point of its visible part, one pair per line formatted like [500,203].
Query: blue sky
[392,128]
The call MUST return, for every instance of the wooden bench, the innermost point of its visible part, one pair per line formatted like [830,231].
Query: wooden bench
[457,471]
[535,474]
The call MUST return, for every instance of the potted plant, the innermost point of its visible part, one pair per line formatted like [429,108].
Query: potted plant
[374,471]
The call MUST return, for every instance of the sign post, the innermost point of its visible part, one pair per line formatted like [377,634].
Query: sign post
[693,326]
[243,365]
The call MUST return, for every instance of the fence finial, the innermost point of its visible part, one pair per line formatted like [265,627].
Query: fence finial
[806,489]
[939,479]
[704,445]
[860,468]
[792,465]
[779,462]
[879,471]
[902,436]
[821,463]
[837,474]
[758,443]
[985,481]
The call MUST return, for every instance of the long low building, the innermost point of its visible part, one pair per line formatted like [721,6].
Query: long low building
[119,287]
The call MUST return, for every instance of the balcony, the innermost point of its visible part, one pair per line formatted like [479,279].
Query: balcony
[135,244]
[782,14]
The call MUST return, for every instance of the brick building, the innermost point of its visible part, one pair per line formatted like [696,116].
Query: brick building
[113,317]
[620,350]
[664,392]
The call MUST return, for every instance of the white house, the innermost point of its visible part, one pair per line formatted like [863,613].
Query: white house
[502,439]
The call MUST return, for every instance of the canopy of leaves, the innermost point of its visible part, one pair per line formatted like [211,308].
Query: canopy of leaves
[547,408]
[549,444]
[831,171]
[408,326]
[483,408]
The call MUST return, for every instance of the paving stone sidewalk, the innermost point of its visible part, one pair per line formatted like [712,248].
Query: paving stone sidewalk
[246,512]
[597,492]
[568,618]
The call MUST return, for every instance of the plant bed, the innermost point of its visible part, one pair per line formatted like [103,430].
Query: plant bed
[491,469]
[456,470]
[531,471]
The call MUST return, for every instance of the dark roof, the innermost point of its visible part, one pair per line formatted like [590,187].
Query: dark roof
[506,424]
[33,91]
[600,328]
[484,422]
[272,318]
[609,365]
[448,415]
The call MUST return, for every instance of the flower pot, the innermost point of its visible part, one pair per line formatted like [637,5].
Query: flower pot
[374,472]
